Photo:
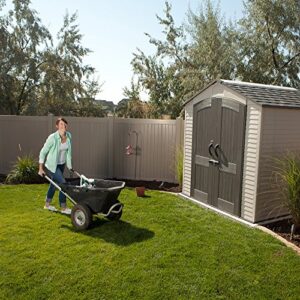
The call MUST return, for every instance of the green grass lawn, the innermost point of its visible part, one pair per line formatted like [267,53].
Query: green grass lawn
[163,248]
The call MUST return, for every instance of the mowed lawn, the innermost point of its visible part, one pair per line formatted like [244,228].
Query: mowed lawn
[163,248]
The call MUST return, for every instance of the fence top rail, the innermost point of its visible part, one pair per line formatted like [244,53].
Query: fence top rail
[14,117]
[92,119]
[147,121]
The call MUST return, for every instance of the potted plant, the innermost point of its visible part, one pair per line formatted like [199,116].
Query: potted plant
[140,191]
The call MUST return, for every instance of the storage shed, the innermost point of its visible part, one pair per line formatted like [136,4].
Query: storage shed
[233,131]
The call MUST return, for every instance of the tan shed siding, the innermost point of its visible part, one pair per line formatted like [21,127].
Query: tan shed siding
[251,157]
[280,135]
[188,134]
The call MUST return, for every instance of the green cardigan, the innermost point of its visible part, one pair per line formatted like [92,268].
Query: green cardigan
[50,151]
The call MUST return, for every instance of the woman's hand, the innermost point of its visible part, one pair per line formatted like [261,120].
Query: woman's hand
[41,171]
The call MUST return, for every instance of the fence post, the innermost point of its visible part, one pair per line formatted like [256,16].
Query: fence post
[110,146]
[50,123]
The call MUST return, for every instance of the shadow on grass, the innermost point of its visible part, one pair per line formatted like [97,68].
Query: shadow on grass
[116,232]
[143,197]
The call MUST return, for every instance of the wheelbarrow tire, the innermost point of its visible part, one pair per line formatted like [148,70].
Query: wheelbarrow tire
[115,216]
[81,216]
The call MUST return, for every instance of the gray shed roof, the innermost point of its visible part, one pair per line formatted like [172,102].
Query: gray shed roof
[262,94]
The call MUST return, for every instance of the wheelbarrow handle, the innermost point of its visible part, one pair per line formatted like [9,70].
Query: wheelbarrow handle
[52,182]
[59,188]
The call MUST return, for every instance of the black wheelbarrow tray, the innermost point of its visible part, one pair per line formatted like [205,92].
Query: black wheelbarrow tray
[91,196]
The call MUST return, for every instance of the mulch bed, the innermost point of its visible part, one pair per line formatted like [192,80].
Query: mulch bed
[283,228]
[37,180]
[2,178]
[153,185]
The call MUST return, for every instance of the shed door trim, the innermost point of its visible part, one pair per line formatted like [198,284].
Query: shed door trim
[202,160]
[231,104]
[217,154]
[204,103]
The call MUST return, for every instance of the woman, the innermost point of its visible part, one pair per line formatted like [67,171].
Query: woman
[55,154]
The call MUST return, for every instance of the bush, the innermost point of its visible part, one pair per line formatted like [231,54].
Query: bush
[288,173]
[179,165]
[25,170]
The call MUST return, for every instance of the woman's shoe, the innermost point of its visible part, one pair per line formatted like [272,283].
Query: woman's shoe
[66,211]
[50,207]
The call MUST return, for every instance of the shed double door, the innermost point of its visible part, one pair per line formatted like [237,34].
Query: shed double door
[218,144]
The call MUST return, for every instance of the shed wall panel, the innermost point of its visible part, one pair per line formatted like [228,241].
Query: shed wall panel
[280,135]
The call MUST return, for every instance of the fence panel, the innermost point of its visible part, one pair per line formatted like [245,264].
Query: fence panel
[19,136]
[99,145]
[90,145]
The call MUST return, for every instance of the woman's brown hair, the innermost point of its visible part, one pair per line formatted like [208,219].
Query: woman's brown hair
[61,119]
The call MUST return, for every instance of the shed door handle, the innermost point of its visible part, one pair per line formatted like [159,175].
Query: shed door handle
[214,162]
[209,149]
[216,150]
[214,154]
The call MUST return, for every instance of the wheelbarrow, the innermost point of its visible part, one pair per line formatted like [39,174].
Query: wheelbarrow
[91,196]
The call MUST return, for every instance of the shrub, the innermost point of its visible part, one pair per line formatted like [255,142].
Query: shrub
[179,165]
[25,170]
[288,173]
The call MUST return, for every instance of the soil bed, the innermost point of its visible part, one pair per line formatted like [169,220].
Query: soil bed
[283,228]
[2,178]
[153,185]
[150,185]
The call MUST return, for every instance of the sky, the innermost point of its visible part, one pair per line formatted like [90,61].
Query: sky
[114,29]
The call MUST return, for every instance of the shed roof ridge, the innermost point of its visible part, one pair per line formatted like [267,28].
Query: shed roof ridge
[258,84]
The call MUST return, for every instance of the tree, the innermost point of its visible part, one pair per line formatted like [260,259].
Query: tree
[179,68]
[132,106]
[66,79]
[158,74]
[37,77]
[153,78]
[21,56]
[88,107]
[270,42]
[212,51]
[122,108]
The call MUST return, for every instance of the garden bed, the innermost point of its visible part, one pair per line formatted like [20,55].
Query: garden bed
[283,228]
[2,178]
[149,185]
[153,185]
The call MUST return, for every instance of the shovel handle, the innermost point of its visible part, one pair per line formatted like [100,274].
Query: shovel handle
[75,172]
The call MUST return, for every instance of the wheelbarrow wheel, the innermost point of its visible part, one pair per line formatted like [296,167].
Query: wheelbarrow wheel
[114,216]
[81,216]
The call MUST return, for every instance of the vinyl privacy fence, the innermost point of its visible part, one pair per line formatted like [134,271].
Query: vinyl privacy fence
[99,145]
